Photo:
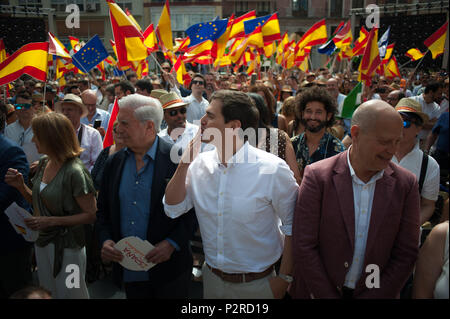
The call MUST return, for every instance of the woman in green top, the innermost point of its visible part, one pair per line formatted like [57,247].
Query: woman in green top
[63,198]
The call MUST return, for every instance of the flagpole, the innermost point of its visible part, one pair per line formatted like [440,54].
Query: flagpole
[4,93]
[415,70]
[401,66]
[157,63]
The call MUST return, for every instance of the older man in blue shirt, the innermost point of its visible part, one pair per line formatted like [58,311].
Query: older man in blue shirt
[130,204]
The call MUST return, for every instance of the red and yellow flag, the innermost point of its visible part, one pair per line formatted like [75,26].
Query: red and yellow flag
[391,70]
[182,76]
[109,140]
[75,44]
[344,37]
[271,29]
[150,40]
[164,29]
[237,29]
[2,51]
[317,34]
[371,58]
[436,42]
[57,48]
[30,59]
[129,40]
[414,54]
[361,42]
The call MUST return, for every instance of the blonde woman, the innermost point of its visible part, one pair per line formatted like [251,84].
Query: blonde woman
[63,198]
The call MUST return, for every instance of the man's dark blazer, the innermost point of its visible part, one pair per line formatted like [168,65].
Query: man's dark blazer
[11,156]
[160,226]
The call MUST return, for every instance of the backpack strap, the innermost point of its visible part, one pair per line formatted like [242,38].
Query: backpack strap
[423,171]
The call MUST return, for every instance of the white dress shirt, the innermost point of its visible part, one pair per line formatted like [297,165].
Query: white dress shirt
[363,194]
[196,109]
[91,142]
[183,140]
[413,163]
[23,137]
[243,209]
[431,109]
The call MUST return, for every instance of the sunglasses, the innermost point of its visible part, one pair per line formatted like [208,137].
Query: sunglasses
[198,82]
[175,112]
[22,106]
[167,69]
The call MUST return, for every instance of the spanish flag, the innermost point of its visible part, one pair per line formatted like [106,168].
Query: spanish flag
[389,50]
[2,51]
[57,48]
[371,58]
[361,42]
[30,59]
[164,29]
[281,48]
[344,37]
[414,54]
[109,140]
[129,40]
[436,42]
[182,76]
[391,70]
[317,34]
[129,15]
[238,30]
[150,38]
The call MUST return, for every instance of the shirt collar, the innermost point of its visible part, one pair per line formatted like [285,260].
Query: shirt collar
[356,179]
[151,151]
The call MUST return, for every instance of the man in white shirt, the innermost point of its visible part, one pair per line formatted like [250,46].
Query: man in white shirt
[333,89]
[433,91]
[197,103]
[90,139]
[244,200]
[178,131]
[410,156]
[89,99]
[20,131]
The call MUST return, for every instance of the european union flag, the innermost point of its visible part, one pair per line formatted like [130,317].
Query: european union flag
[91,54]
[201,32]
[251,25]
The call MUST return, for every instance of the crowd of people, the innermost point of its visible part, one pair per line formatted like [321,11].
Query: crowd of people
[291,199]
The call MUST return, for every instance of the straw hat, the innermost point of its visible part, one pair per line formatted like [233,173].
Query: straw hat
[156,93]
[72,99]
[171,100]
[286,88]
[234,87]
[408,105]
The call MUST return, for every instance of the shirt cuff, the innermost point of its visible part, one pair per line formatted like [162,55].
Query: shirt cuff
[174,244]
[174,211]
[286,229]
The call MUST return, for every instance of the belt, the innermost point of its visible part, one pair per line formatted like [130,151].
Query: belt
[240,278]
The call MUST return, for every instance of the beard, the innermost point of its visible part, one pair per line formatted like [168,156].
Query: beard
[313,129]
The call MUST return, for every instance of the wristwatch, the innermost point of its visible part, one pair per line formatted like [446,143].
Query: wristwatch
[286,278]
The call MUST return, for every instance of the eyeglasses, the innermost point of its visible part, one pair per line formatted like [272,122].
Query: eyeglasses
[175,112]
[198,82]
[166,68]
[22,106]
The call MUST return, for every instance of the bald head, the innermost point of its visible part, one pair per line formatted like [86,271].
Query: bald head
[89,97]
[333,87]
[368,114]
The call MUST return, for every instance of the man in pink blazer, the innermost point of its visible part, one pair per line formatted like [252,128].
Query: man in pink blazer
[356,223]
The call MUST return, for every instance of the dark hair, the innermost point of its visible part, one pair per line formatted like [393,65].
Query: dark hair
[145,85]
[316,94]
[293,77]
[271,102]
[69,88]
[197,75]
[110,89]
[26,292]
[400,95]
[84,82]
[237,105]
[264,115]
[433,87]
[23,95]
[131,75]
[125,86]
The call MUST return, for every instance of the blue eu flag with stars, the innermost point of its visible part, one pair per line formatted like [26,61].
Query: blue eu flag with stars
[91,54]
[251,25]
[201,32]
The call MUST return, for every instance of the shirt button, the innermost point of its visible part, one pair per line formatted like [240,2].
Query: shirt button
[137,183]
[220,214]
[132,223]
[346,264]
[134,203]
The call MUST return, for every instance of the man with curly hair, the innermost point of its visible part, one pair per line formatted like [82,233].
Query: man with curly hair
[316,108]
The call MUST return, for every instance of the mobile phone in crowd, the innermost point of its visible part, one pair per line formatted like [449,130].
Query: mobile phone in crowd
[97,123]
